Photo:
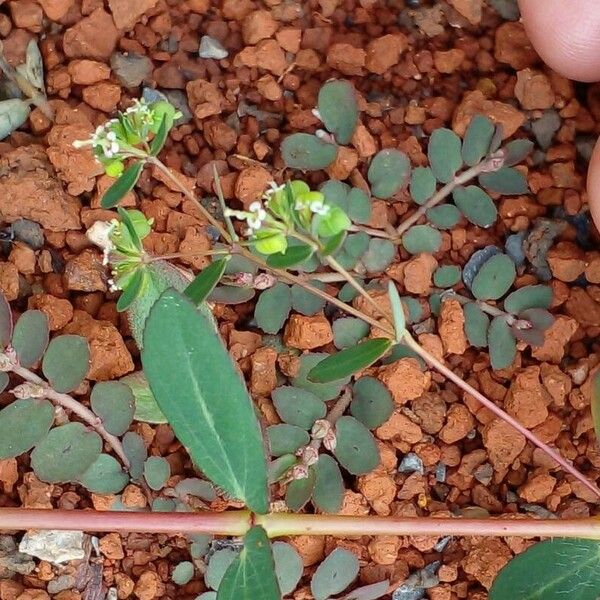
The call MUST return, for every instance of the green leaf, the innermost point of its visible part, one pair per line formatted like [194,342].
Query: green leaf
[372,402]
[502,344]
[307,152]
[379,255]
[23,423]
[332,244]
[422,238]
[204,283]
[30,337]
[273,308]
[218,564]
[298,407]
[157,471]
[348,331]
[6,325]
[497,138]
[356,449]
[349,361]
[325,391]
[397,310]
[66,362]
[476,205]
[359,206]
[104,476]
[422,184]
[529,296]
[338,107]
[252,573]
[478,139]
[123,185]
[280,467]
[131,228]
[184,571]
[354,246]
[388,172]
[494,278]
[328,493]
[231,294]
[114,403]
[477,324]
[516,151]
[505,181]
[595,403]
[444,216]
[369,592]
[444,154]
[288,566]
[146,408]
[446,276]
[551,570]
[132,290]
[66,453]
[203,395]
[334,574]
[294,255]
[286,439]
[299,491]
[196,487]
[161,136]
[304,301]
[136,453]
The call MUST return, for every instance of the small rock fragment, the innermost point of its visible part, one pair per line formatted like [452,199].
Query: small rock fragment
[58,310]
[94,36]
[258,25]
[533,90]
[485,559]
[537,488]
[469,9]
[527,399]
[55,547]
[451,327]
[88,72]
[126,13]
[130,69]
[251,184]
[212,48]
[149,586]
[418,272]
[9,280]
[307,333]
[503,443]
[384,52]
[513,47]
[556,339]
[346,59]
[85,272]
[405,379]
[459,423]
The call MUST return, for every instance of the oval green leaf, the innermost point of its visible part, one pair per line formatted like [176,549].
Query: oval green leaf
[204,283]
[114,403]
[356,449]
[444,154]
[516,151]
[294,255]
[273,308]
[476,205]
[183,573]
[157,471]
[494,278]
[422,238]
[307,152]
[286,439]
[123,185]
[288,566]
[334,574]
[218,564]
[359,206]
[280,467]
[304,301]
[388,172]
[161,135]
[338,108]
[505,181]
[146,407]
[136,453]
[379,255]
[422,184]
[299,491]
[298,407]
[23,423]
[477,324]
[328,493]
[529,296]
[30,337]
[372,402]
[502,344]
[348,331]
[478,139]
[6,325]
[133,289]
[66,362]
[325,391]
[104,476]
[444,216]
[446,276]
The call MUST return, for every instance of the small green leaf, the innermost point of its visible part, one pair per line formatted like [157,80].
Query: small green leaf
[30,337]
[304,301]
[307,152]
[354,246]
[286,439]
[288,566]
[348,331]
[157,471]
[349,361]
[502,344]
[133,289]
[197,488]
[444,216]
[379,255]
[146,408]
[136,453]
[204,283]
[104,476]
[231,294]
[444,154]
[505,181]
[529,296]
[23,423]
[539,317]
[332,244]
[66,453]
[126,219]
[478,139]
[551,570]
[446,276]
[388,172]
[595,403]
[359,206]
[422,184]
[184,571]
[299,491]
[356,449]
[516,151]
[325,391]
[294,255]
[298,407]
[66,362]
[494,278]
[397,310]
[161,136]
[334,574]
[114,403]
[372,402]
[476,205]
[328,493]
[6,325]
[273,308]
[218,564]
[123,185]
[252,573]
[422,238]
[373,591]
[338,108]
[280,467]
[477,324]
[497,138]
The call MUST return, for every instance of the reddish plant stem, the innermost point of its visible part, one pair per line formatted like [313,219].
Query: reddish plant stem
[463,385]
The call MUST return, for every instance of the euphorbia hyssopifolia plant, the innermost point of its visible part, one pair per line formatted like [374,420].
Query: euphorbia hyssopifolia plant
[301,237]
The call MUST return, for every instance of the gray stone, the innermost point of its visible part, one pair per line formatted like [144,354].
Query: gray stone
[55,547]
[131,69]
[212,48]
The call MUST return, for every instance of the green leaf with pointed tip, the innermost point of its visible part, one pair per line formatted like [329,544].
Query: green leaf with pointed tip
[328,493]
[334,574]
[218,564]
[325,391]
[348,331]
[359,206]
[502,344]
[30,337]
[23,423]
[204,283]
[497,138]
[157,471]
[397,310]
[446,276]
[306,302]
[183,573]
[422,238]
[356,449]
[294,255]
[146,408]
[133,289]
[516,151]
[273,308]
[298,407]
[299,491]
[595,403]
[494,278]
[444,153]
[349,361]
[477,324]
[388,172]
[444,216]
[379,255]
[280,467]
[114,403]
[199,388]
[505,181]
[551,570]
[66,453]
[252,573]
[529,296]
[104,476]
[476,205]
[338,107]
[372,402]
[478,139]
[136,453]
[422,184]
[66,362]
[288,566]
[6,325]
[307,152]
[333,243]
[126,219]
[286,439]
[161,135]
[122,186]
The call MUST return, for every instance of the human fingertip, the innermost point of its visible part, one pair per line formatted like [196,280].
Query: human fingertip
[593,186]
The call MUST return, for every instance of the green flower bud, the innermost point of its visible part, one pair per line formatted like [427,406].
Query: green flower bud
[162,109]
[332,223]
[114,168]
[270,243]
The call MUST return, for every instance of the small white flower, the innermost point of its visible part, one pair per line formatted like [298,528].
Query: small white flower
[273,189]
[255,206]
[111,136]
[319,207]
[99,130]
[115,148]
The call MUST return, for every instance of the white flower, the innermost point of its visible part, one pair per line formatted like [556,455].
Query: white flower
[319,207]
[273,189]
